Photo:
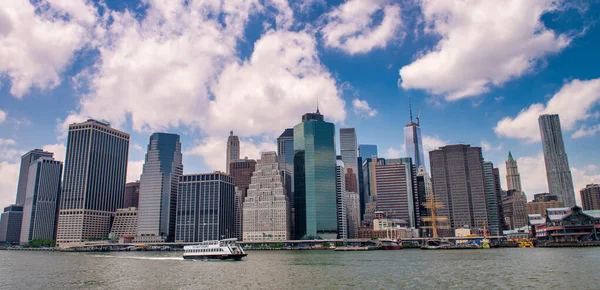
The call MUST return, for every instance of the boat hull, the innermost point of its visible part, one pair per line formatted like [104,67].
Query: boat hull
[236,257]
[392,247]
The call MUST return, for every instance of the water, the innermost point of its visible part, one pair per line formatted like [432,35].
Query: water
[574,268]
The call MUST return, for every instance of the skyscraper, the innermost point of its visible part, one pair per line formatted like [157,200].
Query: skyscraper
[348,149]
[241,171]
[514,205]
[285,158]
[94,181]
[590,197]
[414,142]
[26,161]
[132,194]
[205,207]
[457,177]
[499,194]
[513,178]
[491,199]
[40,210]
[314,178]
[340,191]
[352,213]
[158,189]
[558,173]
[395,192]
[266,208]
[233,149]
[10,224]
[367,151]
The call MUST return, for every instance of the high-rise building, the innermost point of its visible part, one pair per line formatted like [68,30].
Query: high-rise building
[515,209]
[458,184]
[414,142]
[10,224]
[238,219]
[125,223]
[513,178]
[395,195]
[348,149]
[285,158]
[40,210]
[205,207]
[340,192]
[158,189]
[314,178]
[233,150]
[590,197]
[352,213]
[367,151]
[266,208]
[26,161]
[541,202]
[94,181]
[369,176]
[132,194]
[350,183]
[499,195]
[241,171]
[491,200]
[558,173]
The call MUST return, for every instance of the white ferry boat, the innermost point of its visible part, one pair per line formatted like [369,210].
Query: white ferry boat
[221,250]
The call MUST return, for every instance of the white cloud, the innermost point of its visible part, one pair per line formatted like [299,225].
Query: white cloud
[134,170]
[351,26]
[392,152]
[138,148]
[8,182]
[7,142]
[8,152]
[573,102]
[39,41]
[486,146]
[2,116]
[362,108]
[212,150]
[585,131]
[432,142]
[482,44]
[59,150]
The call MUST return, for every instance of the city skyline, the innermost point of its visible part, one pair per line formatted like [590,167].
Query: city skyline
[486,108]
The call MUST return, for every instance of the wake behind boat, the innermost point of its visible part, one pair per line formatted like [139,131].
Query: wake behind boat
[220,250]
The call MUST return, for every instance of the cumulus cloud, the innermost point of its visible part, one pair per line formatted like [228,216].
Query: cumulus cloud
[393,152]
[482,44]
[352,28]
[39,40]
[2,116]
[573,102]
[432,142]
[134,170]
[486,146]
[59,150]
[8,183]
[585,131]
[362,108]
[9,151]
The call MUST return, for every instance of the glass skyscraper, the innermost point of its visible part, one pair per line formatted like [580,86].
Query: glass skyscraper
[314,178]
[26,161]
[367,151]
[414,143]
[94,181]
[285,158]
[491,199]
[348,149]
[158,189]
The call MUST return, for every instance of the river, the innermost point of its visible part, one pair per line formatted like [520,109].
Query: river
[508,268]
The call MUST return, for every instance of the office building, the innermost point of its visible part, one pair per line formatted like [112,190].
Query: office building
[40,211]
[513,178]
[26,161]
[241,170]
[458,184]
[590,197]
[267,215]
[10,224]
[205,207]
[285,158]
[348,149]
[414,142]
[314,178]
[367,151]
[158,189]
[340,192]
[94,181]
[515,212]
[494,226]
[499,195]
[351,178]
[395,196]
[233,150]
[125,223]
[369,177]
[558,172]
[541,202]
[132,194]
[352,200]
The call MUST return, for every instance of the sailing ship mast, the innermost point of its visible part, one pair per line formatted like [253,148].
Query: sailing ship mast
[433,206]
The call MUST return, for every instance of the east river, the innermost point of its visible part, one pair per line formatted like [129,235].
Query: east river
[508,268]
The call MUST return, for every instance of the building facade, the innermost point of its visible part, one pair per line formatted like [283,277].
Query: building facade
[367,151]
[458,184]
[125,223]
[241,170]
[314,178]
[40,211]
[349,149]
[285,157]
[26,161]
[340,192]
[352,213]
[94,181]
[205,207]
[560,181]
[414,143]
[541,202]
[132,194]
[590,197]
[513,178]
[491,199]
[395,192]
[233,150]
[10,224]
[158,189]
[267,215]
[515,212]
[499,195]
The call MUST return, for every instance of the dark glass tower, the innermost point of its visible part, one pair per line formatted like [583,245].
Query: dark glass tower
[26,161]
[314,178]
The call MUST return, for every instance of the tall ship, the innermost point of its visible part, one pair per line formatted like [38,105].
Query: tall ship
[220,250]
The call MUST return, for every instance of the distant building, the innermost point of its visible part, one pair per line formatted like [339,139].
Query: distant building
[590,197]
[241,170]
[132,194]
[239,214]
[367,151]
[350,183]
[266,208]
[10,224]
[285,158]
[513,178]
[491,199]
[125,223]
[340,192]
[348,150]
[541,202]
[370,177]
[560,181]
[458,184]
[314,178]
[41,201]
[205,207]
[515,213]
[499,195]
[414,142]
[233,150]
[352,214]
[94,181]
[395,193]
[26,161]
[567,225]
[158,189]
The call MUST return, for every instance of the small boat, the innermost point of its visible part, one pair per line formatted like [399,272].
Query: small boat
[221,250]
[437,244]
[525,244]
[390,245]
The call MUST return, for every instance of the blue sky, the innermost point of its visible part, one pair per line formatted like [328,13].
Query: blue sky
[479,71]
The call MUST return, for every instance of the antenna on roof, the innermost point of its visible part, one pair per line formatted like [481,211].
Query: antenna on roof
[318,104]
[410,109]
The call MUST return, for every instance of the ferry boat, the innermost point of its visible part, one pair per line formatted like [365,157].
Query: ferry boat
[221,250]
[390,245]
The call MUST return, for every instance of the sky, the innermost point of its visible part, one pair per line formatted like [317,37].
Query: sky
[478,72]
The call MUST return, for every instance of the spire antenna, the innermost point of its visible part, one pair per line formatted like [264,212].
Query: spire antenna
[318,105]
[410,109]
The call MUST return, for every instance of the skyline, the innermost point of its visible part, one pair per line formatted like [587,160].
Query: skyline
[499,116]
